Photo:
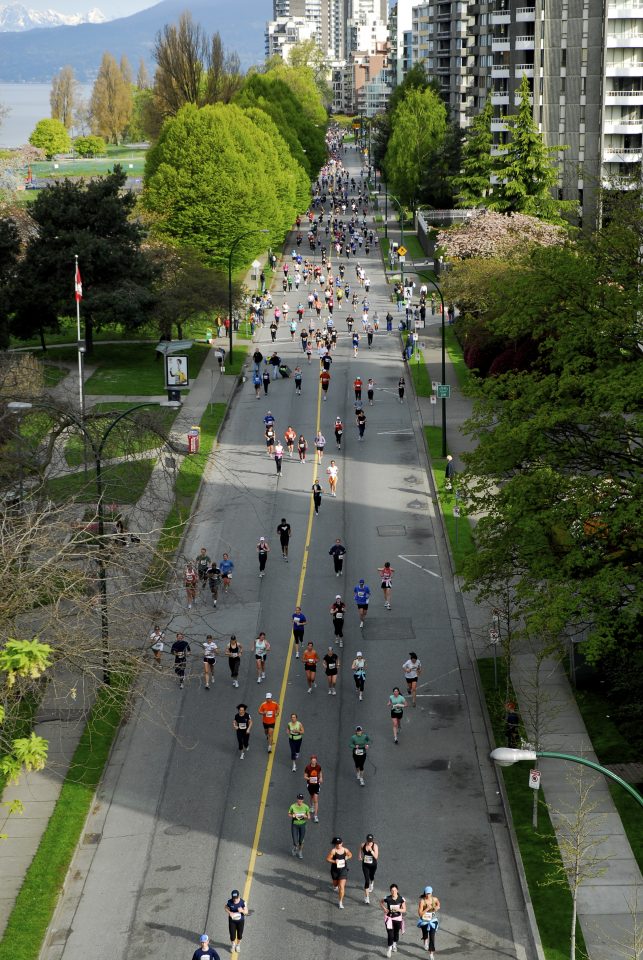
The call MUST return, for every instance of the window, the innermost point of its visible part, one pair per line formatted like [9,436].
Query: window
[563,57]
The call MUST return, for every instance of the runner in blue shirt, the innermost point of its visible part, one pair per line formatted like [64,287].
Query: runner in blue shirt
[362,593]
[226,567]
[299,621]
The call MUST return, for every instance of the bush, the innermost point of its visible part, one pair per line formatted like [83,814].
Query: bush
[90,146]
[50,136]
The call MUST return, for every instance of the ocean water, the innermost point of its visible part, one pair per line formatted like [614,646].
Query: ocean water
[28,103]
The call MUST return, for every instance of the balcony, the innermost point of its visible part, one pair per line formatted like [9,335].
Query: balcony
[503,16]
[622,125]
[624,10]
[526,68]
[525,14]
[632,68]
[501,72]
[624,96]
[498,44]
[623,154]
[624,39]
[500,99]
[498,151]
[498,125]
[525,43]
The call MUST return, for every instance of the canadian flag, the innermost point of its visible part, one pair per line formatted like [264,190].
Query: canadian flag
[78,285]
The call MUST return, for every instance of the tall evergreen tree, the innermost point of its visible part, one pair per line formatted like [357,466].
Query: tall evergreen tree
[473,184]
[419,128]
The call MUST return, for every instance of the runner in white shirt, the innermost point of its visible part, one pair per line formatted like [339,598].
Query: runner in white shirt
[412,670]
[386,573]
[156,643]
[332,470]
[210,650]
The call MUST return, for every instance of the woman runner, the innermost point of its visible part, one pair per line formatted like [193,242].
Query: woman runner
[339,430]
[262,649]
[397,703]
[394,907]
[338,859]
[331,664]
[428,923]
[191,581]
[317,496]
[412,670]
[290,436]
[338,612]
[302,446]
[401,385]
[310,659]
[386,573]
[209,659]
[237,912]
[242,724]
[332,470]
[369,855]
[320,443]
[359,673]
[295,736]
[314,779]
[233,652]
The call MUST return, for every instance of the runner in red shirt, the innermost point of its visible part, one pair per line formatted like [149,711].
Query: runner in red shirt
[324,377]
[314,780]
[269,711]
[309,658]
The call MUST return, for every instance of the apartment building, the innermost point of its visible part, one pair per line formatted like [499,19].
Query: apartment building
[284,33]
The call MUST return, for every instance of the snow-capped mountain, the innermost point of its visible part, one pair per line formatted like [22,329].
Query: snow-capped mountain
[16,18]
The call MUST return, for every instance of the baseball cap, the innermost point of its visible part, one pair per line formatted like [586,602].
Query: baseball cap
[204,938]
[369,836]
[359,653]
[428,889]
[268,696]
[358,727]
[337,839]
[300,796]
[361,581]
[338,597]
[235,893]
[262,538]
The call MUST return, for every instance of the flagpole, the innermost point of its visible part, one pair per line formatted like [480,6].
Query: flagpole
[81,348]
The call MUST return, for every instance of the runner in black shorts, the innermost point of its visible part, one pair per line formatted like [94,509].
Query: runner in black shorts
[338,859]
[338,612]
[369,855]
[242,724]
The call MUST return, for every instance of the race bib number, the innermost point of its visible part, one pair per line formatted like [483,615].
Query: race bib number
[368,859]
[340,863]
[359,751]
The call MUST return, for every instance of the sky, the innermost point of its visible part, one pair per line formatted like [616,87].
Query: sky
[111,8]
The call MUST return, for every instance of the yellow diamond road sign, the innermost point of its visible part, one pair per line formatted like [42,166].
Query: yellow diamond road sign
[401,251]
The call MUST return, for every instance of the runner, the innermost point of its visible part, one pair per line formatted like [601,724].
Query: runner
[279,456]
[242,724]
[226,567]
[210,650]
[370,391]
[369,855]
[357,387]
[156,643]
[179,650]
[317,496]
[355,343]
[299,622]
[324,378]
[237,912]
[302,446]
[213,575]
[394,907]
[263,549]
[338,858]
[262,649]
[359,746]
[269,711]
[397,703]
[290,436]
[337,552]
[233,652]
[338,613]
[270,440]
[295,735]
[359,673]
[205,951]
[339,432]
[429,922]
[331,663]
[284,537]
[401,386]
[386,573]
[299,813]
[361,423]
[412,670]
[191,580]
[314,779]
[320,443]
[202,564]
[362,595]
[265,378]
[332,470]
[310,659]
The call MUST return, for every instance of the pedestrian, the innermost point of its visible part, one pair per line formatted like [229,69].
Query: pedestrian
[202,564]
[339,432]
[369,855]
[359,673]
[290,436]
[210,650]
[394,907]
[295,736]
[359,746]
[297,376]
[412,669]
[279,456]
[357,387]
[370,391]
[449,473]
[233,652]
[428,922]
[237,912]
[191,581]
[275,363]
[299,621]
[369,335]
[401,386]
[362,595]
[299,813]
[302,446]
[317,496]
[269,419]
[284,531]
[338,613]
[269,711]
[205,951]
[386,575]
[324,378]
[265,378]
[257,357]
[338,859]
[262,649]
[157,644]
[226,567]
[314,779]
[396,703]
[256,382]
[332,470]
[242,725]
[320,443]
[263,549]
[331,665]
[213,578]
[361,423]
[310,659]
[179,650]
[270,439]
[337,552]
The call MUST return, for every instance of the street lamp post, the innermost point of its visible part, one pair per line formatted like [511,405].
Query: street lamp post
[236,240]
[507,756]
[444,368]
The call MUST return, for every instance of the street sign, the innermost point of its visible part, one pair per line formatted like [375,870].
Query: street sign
[402,258]
[433,399]
[456,512]
[434,386]
[444,391]
[401,251]
[534,779]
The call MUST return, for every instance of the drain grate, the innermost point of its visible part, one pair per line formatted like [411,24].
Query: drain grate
[92,838]
[392,530]
[496,818]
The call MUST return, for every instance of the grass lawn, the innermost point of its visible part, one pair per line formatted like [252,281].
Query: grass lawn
[18,723]
[458,528]
[123,483]
[145,430]
[95,166]
[188,480]
[239,358]
[420,374]
[552,904]
[36,902]
[462,372]
[54,374]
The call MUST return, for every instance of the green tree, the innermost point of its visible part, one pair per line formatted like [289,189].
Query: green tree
[90,146]
[309,54]
[92,220]
[527,173]
[473,183]
[301,81]
[63,96]
[111,101]
[419,127]
[415,79]
[444,163]
[187,289]
[50,136]
[9,251]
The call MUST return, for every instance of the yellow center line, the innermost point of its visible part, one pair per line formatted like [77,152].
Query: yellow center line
[263,800]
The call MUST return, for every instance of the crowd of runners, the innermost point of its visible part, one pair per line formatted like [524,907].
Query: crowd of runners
[336,230]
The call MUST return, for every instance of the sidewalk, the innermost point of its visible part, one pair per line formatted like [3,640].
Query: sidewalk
[606,904]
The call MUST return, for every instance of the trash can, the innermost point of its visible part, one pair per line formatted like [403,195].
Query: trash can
[194,440]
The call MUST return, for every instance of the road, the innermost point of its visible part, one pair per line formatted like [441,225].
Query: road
[180,820]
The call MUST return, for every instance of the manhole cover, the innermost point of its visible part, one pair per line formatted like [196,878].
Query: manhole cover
[92,837]
[388,628]
[176,830]
[496,818]
[392,530]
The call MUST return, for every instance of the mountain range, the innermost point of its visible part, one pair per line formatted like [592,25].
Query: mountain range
[35,55]
[15,17]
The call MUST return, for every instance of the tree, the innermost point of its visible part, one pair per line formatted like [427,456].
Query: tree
[414,79]
[437,190]
[187,289]
[308,54]
[418,129]
[490,234]
[111,101]
[50,136]
[93,220]
[473,184]
[83,117]
[527,174]
[90,146]
[63,97]
[142,76]
[9,250]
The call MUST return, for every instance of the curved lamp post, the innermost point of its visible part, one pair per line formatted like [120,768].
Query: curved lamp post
[507,756]
[236,240]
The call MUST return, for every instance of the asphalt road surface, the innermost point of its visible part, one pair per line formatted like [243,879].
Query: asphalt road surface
[180,820]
